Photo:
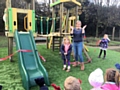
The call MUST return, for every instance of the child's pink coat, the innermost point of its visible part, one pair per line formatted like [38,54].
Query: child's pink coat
[110,86]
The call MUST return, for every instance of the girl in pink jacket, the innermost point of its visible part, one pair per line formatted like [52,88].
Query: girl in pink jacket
[112,78]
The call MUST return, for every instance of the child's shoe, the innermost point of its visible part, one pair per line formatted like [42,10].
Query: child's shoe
[98,56]
[68,69]
[104,57]
[64,67]
[82,67]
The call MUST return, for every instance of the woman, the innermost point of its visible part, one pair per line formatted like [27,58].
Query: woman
[78,34]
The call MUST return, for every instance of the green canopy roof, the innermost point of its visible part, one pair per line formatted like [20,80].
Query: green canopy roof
[67,3]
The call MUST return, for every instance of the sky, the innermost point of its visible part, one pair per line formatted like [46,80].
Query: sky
[104,2]
[42,1]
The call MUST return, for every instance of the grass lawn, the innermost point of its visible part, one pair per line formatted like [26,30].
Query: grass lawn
[3,41]
[11,80]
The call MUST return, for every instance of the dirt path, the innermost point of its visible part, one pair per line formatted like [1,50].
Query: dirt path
[110,47]
[113,47]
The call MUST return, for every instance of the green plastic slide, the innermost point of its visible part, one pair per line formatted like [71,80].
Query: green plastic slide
[29,62]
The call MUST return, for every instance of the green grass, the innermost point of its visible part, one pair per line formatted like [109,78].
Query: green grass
[3,41]
[11,80]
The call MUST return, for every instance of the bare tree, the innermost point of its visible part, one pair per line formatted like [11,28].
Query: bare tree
[111,2]
[112,14]
[105,14]
[98,6]
[2,7]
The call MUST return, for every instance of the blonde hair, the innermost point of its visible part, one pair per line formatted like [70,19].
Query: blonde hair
[78,21]
[105,35]
[112,75]
[71,83]
[66,37]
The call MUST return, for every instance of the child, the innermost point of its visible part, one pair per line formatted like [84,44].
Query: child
[104,45]
[96,79]
[112,78]
[72,83]
[66,49]
[41,83]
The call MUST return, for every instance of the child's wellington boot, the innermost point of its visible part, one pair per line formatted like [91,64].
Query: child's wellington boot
[82,66]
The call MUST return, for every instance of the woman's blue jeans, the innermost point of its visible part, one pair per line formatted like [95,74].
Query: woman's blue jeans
[78,47]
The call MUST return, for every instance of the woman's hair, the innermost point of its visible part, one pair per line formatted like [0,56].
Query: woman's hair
[78,21]
[72,83]
[66,37]
[112,75]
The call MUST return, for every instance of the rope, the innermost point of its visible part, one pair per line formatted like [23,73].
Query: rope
[41,24]
[21,50]
[5,58]
[47,24]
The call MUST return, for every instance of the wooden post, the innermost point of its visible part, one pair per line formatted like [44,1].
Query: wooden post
[10,47]
[53,18]
[10,39]
[47,42]
[61,20]
[86,54]
[53,21]
[76,10]
[53,46]
[8,3]
[33,4]
[67,21]
[113,33]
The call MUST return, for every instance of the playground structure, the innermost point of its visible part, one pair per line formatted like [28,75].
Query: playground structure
[66,20]
[29,63]
[52,34]
[55,35]
[25,40]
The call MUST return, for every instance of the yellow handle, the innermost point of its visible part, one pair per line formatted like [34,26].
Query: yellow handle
[25,19]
